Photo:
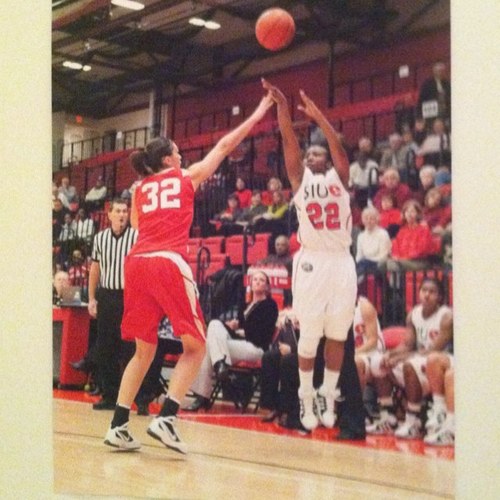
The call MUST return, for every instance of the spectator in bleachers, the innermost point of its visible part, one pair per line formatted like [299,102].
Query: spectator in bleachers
[58,213]
[373,246]
[66,239]
[436,213]
[436,148]
[78,272]
[242,339]
[274,220]
[94,199]
[84,230]
[68,229]
[419,131]
[363,173]
[391,184]
[411,156]
[225,221]
[395,156]
[440,425]
[55,191]
[281,255]
[243,193]
[273,184]
[429,328]
[250,215]
[443,182]
[437,90]
[426,175]
[60,281]
[413,245]
[389,215]
[68,195]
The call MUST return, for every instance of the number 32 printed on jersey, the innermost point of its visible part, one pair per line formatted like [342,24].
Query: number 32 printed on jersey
[327,217]
[164,194]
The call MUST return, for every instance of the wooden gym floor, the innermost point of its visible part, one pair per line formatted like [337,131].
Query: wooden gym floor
[236,456]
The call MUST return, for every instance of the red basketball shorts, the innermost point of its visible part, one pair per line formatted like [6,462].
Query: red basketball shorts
[158,285]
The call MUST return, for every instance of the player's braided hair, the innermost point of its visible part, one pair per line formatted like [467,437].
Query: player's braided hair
[148,160]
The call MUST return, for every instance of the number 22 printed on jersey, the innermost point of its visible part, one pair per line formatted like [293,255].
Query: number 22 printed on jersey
[323,217]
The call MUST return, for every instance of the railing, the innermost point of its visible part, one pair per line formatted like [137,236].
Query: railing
[75,152]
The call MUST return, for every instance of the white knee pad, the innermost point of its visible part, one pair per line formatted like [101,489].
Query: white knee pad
[307,347]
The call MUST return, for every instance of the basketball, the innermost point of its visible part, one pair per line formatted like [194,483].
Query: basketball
[275,29]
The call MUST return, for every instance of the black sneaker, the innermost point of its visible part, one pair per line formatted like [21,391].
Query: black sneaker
[221,369]
[104,404]
[198,403]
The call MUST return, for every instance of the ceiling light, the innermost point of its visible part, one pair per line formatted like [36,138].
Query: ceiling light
[87,67]
[212,25]
[128,4]
[197,21]
[72,65]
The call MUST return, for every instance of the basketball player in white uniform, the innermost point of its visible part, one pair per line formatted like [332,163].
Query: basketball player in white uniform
[368,338]
[429,329]
[324,282]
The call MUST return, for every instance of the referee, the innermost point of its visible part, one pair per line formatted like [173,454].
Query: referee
[106,299]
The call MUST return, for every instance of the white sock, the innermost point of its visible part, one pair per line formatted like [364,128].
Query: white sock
[306,382]
[438,403]
[449,423]
[330,380]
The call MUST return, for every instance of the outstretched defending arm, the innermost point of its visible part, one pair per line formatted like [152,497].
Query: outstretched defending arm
[203,169]
[291,149]
[337,151]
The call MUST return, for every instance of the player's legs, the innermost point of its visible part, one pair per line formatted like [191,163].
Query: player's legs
[135,371]
[416,385]
[383,382]
[445,434]
[187,367]
[307,348]
[437,364]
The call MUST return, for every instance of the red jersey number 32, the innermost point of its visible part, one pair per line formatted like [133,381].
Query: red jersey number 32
[164,194]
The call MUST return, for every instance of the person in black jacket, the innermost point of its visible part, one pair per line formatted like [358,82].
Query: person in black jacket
[437,90]
[242,339]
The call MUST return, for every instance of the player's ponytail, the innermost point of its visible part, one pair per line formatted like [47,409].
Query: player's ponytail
[149,160]
[138,159]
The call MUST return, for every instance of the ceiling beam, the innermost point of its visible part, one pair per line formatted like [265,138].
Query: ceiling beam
[103,28]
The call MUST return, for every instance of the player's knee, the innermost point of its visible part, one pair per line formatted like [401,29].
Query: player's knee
[375,367]
[307,347]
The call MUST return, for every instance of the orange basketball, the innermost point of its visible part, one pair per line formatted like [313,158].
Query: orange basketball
[275,29]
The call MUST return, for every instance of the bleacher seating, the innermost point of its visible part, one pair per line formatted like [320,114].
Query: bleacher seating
[257,248]
[214,243]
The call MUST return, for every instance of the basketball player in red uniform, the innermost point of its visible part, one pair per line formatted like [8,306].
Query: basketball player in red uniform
[158,280]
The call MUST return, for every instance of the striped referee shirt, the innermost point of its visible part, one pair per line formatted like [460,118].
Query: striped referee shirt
[110,251]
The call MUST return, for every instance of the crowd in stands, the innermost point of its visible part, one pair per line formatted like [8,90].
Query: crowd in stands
[402,221]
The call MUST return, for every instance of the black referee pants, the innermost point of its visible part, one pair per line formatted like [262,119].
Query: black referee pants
[112,353]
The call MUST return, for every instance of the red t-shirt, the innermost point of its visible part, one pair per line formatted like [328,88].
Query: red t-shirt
[390,217]
[413,242]
[245,197]
[164,204]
